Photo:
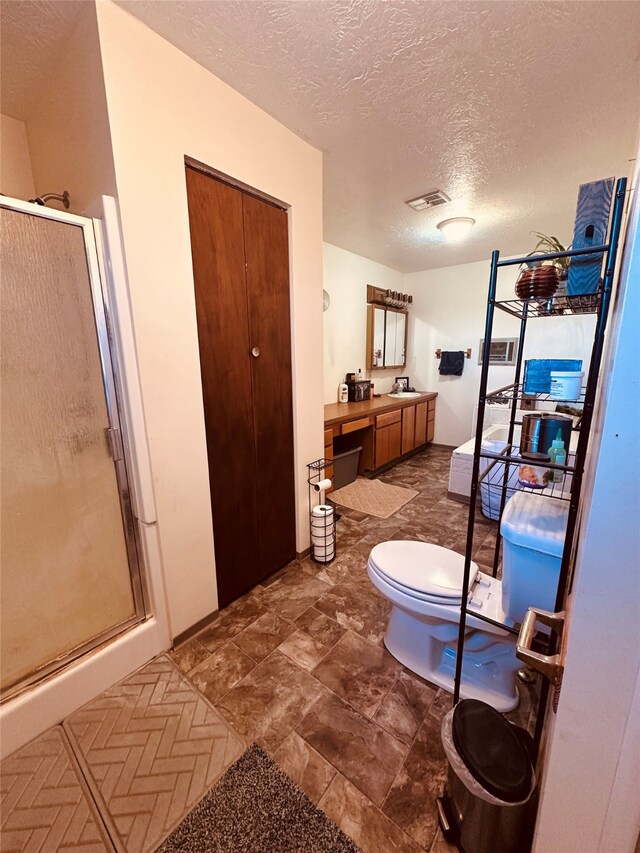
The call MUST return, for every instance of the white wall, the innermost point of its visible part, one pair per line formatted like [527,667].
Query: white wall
[16,176]
[163,106]
[346,277]
[68,128]
[590,789]
[449,314]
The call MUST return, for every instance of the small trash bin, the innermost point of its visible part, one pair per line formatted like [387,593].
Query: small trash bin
[489,804]
[345,467]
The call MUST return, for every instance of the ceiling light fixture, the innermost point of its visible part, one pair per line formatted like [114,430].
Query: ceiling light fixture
[456,228]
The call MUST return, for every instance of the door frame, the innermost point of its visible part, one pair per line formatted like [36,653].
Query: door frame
[117,653]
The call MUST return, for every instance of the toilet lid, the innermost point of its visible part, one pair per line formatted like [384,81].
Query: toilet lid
[421,567]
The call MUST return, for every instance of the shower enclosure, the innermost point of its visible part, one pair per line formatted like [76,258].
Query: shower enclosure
[70,573]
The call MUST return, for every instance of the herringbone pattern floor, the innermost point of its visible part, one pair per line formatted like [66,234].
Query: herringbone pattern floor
[151,747]
[44,804]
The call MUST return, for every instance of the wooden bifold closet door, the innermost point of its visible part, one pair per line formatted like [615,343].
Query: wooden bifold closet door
[240,253]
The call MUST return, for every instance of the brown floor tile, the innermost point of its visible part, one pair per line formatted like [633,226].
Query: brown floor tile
[404,708]
[303,650]
[441,705]
[292,594]
[270,701]
[366,754]
[189,654]
[263,636]
[349,531]
[224,668]
[358,606]
[359,671]
[305,766]
[411,802]
[440,845]
[346,566]
[231,624]
[320,627]
[362,821]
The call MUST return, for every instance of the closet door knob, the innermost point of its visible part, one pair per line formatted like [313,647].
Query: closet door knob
[255,352]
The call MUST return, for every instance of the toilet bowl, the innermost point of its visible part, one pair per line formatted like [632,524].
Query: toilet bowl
[423,582]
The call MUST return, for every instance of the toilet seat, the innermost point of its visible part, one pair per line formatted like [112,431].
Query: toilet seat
[421,570]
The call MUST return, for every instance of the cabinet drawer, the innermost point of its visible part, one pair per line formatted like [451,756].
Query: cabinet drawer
[352,426]
[388,418]
[328,437]
[432,411]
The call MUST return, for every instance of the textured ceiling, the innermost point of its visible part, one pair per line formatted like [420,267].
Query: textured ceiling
[506,106]
[32,37]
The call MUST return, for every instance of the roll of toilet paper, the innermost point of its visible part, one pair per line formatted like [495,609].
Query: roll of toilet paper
[322,486]
[322,511]
[324,555]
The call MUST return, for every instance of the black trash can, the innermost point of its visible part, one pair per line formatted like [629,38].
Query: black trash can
[489,805]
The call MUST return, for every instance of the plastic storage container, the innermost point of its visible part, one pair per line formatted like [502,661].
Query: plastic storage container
[565,385]
[345,467]
[489,803]
[533,530]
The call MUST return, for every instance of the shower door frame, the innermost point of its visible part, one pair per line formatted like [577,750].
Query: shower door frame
[117,440]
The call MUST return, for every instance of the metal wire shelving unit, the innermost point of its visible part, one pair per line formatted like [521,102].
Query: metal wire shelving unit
[500,469]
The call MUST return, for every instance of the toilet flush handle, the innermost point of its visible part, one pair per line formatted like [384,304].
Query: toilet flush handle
[548,665]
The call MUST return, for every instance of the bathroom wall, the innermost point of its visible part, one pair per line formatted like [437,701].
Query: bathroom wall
[346,277]
[16,175]
[449,314]
[67,126]
[163,106]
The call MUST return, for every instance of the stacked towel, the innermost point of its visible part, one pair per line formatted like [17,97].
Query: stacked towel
[451,363]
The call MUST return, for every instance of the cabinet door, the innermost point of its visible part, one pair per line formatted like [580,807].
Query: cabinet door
[421,424]
[408,428]
[269,357]
[388,443]
[395,438]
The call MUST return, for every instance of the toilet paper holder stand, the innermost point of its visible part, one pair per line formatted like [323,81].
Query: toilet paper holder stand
[322,519]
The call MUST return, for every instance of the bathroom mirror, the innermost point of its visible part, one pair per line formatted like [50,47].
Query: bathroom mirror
[386,337]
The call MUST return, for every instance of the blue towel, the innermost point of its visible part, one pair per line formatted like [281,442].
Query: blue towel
[451,363]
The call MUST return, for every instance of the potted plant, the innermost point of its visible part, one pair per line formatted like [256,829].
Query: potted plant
[543,279]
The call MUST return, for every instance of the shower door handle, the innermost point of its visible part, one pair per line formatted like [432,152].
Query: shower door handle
[548,665]
[114,443]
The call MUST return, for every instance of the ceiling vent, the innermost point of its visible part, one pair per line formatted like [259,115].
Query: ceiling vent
[432,199]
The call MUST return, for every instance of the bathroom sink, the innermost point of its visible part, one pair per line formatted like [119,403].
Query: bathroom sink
[404,395]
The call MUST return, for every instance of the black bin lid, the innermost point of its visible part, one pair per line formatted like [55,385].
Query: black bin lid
[493,750]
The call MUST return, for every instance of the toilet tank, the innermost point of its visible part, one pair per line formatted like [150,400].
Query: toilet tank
[533,531]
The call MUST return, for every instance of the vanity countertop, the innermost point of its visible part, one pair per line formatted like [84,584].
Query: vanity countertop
[337,413]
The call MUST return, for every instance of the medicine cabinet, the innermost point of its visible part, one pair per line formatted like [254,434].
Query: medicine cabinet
[386,337]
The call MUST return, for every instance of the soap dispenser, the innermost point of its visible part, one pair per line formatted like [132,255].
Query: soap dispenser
[558,456]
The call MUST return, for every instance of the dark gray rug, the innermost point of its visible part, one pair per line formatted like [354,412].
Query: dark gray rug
[256,808]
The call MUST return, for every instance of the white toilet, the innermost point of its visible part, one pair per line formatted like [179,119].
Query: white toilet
[424,584]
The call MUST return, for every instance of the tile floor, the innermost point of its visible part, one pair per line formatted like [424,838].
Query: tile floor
[297,665]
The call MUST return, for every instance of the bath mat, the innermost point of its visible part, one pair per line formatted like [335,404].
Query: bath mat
[373,497]
[255,806]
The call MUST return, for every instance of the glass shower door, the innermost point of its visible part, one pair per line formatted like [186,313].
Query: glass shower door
[69,571]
